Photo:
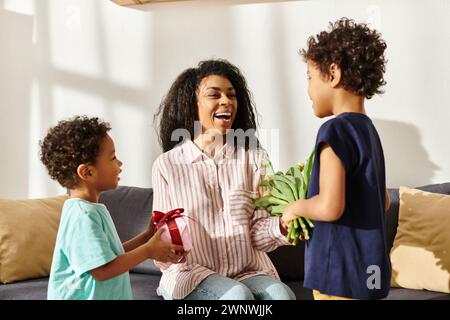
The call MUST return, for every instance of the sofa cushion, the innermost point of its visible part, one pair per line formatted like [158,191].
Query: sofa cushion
[34,289]
[143,287]
[131,210]
[392,213]
[28,230]
[419,255]
[409,294]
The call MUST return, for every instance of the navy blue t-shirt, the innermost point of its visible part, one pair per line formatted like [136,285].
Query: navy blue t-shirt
[348,257]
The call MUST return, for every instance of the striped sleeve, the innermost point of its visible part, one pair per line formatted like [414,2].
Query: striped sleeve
[161,197]
[265,231]
[161,194]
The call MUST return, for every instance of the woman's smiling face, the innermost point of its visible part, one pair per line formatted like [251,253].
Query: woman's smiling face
[216,103]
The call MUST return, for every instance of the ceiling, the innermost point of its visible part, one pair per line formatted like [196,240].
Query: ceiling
[137,2]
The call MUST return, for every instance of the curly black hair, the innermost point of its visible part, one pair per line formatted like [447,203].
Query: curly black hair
[356,49]
[70,143]
[178,109]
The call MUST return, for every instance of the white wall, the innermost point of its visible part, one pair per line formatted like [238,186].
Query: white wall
[59,58]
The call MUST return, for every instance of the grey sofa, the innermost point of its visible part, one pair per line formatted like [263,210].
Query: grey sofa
[130,208]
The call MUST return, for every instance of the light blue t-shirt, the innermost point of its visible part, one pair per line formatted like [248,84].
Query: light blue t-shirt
[86,239]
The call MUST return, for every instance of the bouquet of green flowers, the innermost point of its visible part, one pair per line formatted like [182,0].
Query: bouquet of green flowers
[279,189]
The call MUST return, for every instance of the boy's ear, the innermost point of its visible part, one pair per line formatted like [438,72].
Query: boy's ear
[335,74]
[84,172]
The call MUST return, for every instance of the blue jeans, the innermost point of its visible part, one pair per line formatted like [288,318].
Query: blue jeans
[217,287]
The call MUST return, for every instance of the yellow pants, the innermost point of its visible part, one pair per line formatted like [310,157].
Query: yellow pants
[320,296]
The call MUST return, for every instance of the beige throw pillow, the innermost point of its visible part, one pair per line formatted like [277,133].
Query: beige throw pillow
[28,231]
[420,255]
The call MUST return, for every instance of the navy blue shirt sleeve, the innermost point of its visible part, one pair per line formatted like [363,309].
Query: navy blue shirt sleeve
[336,133]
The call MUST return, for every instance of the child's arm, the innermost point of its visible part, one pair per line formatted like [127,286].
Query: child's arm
[154,248]
[329,204]
[137,241]
[140,239]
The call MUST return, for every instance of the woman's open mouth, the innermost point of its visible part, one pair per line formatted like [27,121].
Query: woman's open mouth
[224,118]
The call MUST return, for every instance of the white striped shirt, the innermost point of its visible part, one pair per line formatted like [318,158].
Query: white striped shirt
[229,236]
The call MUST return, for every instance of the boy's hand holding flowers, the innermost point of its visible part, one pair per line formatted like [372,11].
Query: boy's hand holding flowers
[280,190]
[288,215]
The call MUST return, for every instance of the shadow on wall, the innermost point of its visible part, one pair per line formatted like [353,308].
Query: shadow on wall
[407,161]
[16,32]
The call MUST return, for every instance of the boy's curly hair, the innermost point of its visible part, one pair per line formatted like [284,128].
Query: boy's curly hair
[356,49]
[70,143]
[178,108]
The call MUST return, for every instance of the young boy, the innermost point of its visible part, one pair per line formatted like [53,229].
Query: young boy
[346,256]
[89,261]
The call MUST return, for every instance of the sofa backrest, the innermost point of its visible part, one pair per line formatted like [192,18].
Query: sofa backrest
[131,209]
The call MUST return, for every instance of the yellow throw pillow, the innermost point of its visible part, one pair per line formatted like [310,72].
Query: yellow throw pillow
[420,255]
[28,231]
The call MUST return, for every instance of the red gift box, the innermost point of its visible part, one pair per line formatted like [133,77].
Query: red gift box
[177,231]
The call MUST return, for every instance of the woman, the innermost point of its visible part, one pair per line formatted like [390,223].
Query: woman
[214,173]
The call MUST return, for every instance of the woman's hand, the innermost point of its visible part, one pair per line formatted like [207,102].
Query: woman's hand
[284,228]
